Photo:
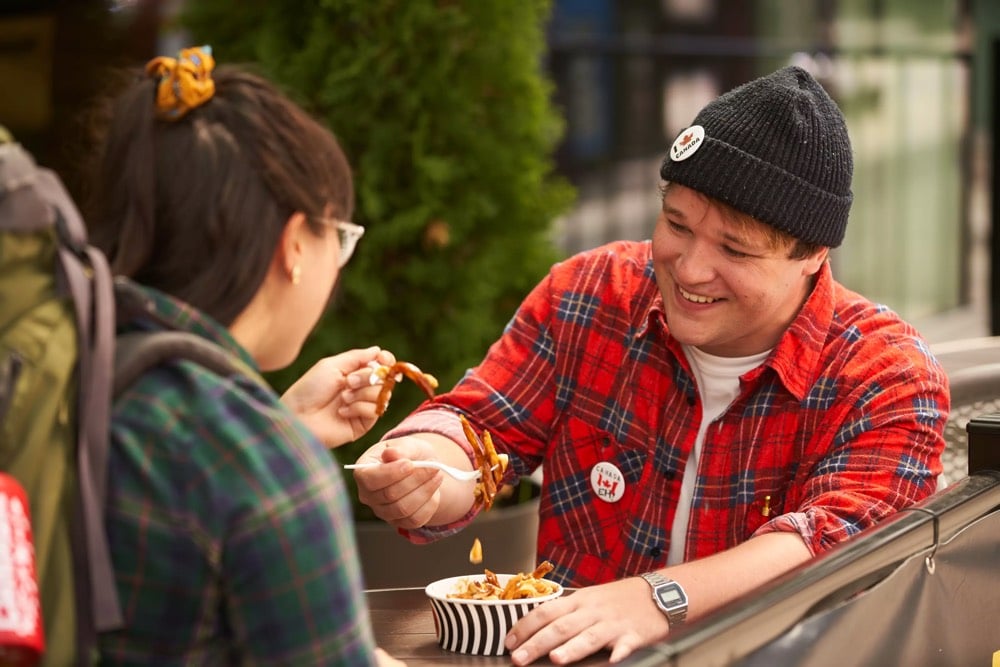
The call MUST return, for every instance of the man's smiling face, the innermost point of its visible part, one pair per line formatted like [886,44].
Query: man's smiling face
[727,288]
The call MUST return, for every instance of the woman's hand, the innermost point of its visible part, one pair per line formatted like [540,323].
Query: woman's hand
[323,398]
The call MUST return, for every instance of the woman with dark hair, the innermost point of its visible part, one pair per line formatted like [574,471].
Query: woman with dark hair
[226,207]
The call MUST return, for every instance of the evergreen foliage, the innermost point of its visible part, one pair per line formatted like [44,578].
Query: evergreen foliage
[445,113]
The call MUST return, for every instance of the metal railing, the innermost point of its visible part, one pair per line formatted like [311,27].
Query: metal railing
[735,632]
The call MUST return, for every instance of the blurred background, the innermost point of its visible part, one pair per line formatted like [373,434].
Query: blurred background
[913,77]
[917,79]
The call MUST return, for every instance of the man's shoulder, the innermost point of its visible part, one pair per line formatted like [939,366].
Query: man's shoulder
[858,319]
[614,251]
[616,260]
[615,280]
[871,339]
[847,335]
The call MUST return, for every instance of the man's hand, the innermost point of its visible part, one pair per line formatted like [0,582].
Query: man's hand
[409,497]
[400,494]
[620,616]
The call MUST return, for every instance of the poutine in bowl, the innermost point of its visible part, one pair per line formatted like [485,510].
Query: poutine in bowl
[471,617]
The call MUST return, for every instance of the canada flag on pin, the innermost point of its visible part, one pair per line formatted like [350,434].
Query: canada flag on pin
[687,142]
[607,481]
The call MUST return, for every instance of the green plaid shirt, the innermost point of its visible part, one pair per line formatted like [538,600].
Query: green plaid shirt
[229,524]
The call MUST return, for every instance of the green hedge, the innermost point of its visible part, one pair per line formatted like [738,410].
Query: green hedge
[445,112]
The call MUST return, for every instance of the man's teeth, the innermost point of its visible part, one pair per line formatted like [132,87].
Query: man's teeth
[695,297]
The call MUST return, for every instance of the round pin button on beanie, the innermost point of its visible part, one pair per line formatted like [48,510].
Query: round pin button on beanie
[775,148]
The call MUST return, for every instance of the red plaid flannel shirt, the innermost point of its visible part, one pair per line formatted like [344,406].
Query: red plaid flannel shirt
[840,427]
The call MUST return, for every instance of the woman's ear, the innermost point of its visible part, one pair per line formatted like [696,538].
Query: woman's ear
[291,246]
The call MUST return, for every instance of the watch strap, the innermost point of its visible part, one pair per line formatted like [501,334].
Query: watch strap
[675,615]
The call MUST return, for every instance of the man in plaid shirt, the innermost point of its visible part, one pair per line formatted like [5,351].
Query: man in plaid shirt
[711,408]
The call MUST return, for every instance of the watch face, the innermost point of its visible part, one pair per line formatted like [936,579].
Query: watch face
[670,596]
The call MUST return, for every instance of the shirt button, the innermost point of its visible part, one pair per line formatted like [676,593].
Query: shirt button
[655,552]
[690,401]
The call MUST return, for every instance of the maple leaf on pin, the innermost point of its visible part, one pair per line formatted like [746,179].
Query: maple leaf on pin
[687,138]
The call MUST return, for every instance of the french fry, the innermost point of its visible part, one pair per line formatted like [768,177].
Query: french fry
[488,462]
[518,587]
[388,376]
[543,569]
[476,554]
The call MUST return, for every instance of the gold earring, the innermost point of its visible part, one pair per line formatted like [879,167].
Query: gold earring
[296,274]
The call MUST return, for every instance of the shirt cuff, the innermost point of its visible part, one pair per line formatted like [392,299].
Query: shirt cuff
[793,522]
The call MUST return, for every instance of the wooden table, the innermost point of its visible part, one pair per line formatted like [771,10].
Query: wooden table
[404,627]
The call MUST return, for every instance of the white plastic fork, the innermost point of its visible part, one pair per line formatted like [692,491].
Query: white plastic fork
[461,475]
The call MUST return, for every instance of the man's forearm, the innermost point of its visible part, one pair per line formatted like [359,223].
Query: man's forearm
[721,578]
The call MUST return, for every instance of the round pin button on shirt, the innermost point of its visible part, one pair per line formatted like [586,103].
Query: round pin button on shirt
[607,481]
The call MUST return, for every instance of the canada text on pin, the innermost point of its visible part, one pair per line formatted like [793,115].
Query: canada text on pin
[687,142]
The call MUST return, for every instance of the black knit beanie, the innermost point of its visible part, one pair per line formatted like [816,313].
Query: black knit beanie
[775,148]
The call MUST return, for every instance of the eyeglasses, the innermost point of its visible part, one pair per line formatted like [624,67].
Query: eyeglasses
[349,234]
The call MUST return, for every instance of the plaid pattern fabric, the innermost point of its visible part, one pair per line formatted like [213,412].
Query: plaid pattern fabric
[229,525]
[840,427]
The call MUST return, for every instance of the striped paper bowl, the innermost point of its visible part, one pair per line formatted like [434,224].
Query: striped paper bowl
[476,627]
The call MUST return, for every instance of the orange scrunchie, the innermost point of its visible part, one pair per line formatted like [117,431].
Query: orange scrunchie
[184,83]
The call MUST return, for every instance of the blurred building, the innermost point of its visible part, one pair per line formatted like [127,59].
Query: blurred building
[55,56]
[917,80]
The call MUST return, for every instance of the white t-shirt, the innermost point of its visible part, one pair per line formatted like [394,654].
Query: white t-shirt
[718,380]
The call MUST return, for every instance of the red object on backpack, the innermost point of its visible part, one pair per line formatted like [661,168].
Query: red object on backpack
[22,640]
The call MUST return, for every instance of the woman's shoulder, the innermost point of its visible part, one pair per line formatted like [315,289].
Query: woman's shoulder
[201,419]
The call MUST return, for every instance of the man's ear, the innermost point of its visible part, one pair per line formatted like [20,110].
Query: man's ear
[814,263]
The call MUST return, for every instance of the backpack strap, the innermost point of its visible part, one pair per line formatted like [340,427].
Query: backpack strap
[85,275]
[138,351]
[95,313]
